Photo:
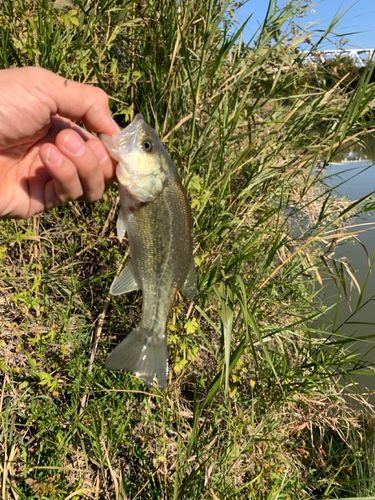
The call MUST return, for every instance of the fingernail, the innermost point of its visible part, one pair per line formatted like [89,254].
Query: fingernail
[73,144]
[54,157]
[100,152]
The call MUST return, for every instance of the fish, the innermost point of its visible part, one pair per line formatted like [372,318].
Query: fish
[156,215]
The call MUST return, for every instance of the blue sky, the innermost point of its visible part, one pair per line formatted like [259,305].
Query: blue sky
[358,24]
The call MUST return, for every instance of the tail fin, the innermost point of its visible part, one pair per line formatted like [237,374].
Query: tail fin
[144,354]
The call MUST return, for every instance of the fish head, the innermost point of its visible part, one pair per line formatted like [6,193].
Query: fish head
[142,159]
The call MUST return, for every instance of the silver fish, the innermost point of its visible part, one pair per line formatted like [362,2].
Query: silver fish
[155,213]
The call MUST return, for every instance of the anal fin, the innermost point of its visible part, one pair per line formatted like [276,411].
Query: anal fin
[125,282]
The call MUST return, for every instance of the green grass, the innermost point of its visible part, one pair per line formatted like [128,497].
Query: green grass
[255,406]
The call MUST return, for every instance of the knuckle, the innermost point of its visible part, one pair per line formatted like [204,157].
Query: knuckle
[100,96]
[70,195]
[94,196]
[70,179]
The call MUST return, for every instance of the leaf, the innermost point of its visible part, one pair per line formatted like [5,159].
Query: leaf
[64,350]
[232,390]
[195,183]
[191,326]
[172,339]
[197,261]
[196,203]
[179,364]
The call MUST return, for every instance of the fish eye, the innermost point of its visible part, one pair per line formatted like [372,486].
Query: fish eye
[147,146]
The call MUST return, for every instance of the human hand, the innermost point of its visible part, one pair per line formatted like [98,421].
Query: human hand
[45,159]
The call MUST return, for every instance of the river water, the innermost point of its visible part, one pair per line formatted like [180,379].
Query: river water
[353,172]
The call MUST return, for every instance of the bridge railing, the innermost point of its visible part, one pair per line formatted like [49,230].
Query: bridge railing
[360,56]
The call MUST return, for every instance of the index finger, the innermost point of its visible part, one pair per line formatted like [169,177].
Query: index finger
[77,101]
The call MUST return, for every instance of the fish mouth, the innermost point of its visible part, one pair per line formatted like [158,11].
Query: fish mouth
[127,137]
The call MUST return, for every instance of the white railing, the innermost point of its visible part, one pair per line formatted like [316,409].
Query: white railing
[359,56]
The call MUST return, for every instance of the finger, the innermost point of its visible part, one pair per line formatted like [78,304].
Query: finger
[107,164]
[90,165]
[79,172]
[77,101]
[59,124]
[65,184]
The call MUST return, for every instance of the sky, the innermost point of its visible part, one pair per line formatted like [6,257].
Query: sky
[357,25]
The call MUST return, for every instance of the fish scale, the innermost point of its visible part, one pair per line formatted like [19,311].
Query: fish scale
[161,256]
[155,212]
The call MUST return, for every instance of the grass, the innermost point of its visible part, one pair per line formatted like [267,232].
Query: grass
[257,405]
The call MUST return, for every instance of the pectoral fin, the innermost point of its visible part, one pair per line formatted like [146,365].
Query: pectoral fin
[189,286]
[126,281]
[121,225]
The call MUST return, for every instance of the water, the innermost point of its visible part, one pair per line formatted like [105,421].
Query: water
[353,172]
